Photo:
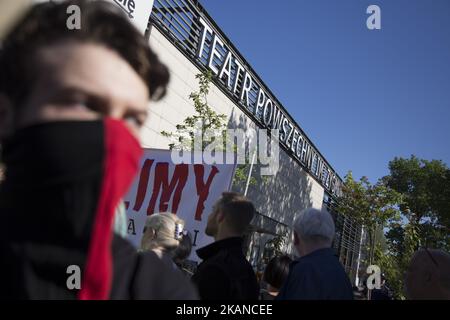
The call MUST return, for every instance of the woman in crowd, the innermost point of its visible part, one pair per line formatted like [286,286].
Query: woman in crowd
[162,235]
[274,276]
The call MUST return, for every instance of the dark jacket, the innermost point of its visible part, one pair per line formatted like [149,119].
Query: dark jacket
[381,294]
[136,276]
[144,276]
[225,273]
[317,276]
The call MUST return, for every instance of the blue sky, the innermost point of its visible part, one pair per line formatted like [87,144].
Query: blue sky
[362,96]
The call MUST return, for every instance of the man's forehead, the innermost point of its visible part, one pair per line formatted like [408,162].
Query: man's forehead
[94,68]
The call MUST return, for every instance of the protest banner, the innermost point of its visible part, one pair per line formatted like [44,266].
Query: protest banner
[187,190]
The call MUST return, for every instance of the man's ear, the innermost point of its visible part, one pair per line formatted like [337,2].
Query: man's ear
[6,117]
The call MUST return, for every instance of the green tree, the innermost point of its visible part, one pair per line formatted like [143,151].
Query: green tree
[207,124]
[203,120]
[410,206]
[375,207]
[371,205]
[275,247]
[425,186]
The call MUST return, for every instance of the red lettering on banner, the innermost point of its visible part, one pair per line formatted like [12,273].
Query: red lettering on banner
[202,188]
[143,183]
[177,183]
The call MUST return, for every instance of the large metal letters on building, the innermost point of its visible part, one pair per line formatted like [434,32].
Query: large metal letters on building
[223,63]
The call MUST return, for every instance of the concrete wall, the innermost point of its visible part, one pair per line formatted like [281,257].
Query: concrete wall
[280,196]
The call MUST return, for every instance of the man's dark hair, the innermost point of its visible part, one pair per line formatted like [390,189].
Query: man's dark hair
[101,23]
[277,271]
[239,211]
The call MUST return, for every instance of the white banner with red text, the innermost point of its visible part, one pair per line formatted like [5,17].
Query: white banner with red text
[187,190]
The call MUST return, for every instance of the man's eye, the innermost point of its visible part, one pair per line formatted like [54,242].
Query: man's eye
[88,103]
[83,103]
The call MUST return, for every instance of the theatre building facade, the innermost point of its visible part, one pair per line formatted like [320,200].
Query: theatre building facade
[189,42]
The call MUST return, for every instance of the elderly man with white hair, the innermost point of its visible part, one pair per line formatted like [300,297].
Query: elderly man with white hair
[317,274]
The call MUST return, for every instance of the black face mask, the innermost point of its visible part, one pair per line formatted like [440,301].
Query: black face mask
[52,154]
[63,181]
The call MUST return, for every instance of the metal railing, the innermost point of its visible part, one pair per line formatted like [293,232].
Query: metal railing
[179,20]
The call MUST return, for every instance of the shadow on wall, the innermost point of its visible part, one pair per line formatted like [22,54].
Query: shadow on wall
[280,197]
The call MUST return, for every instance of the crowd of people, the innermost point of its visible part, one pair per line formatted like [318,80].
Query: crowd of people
[71,106]
[316,274]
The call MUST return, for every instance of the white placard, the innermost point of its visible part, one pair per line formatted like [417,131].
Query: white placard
[137,10]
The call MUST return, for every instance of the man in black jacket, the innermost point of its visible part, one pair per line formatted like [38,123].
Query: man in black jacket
[317,274]
[225,273]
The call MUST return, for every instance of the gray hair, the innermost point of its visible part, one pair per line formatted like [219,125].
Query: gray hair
[315,226]
[167,227]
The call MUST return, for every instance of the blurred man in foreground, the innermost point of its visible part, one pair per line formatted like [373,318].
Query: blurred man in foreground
[71,106]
